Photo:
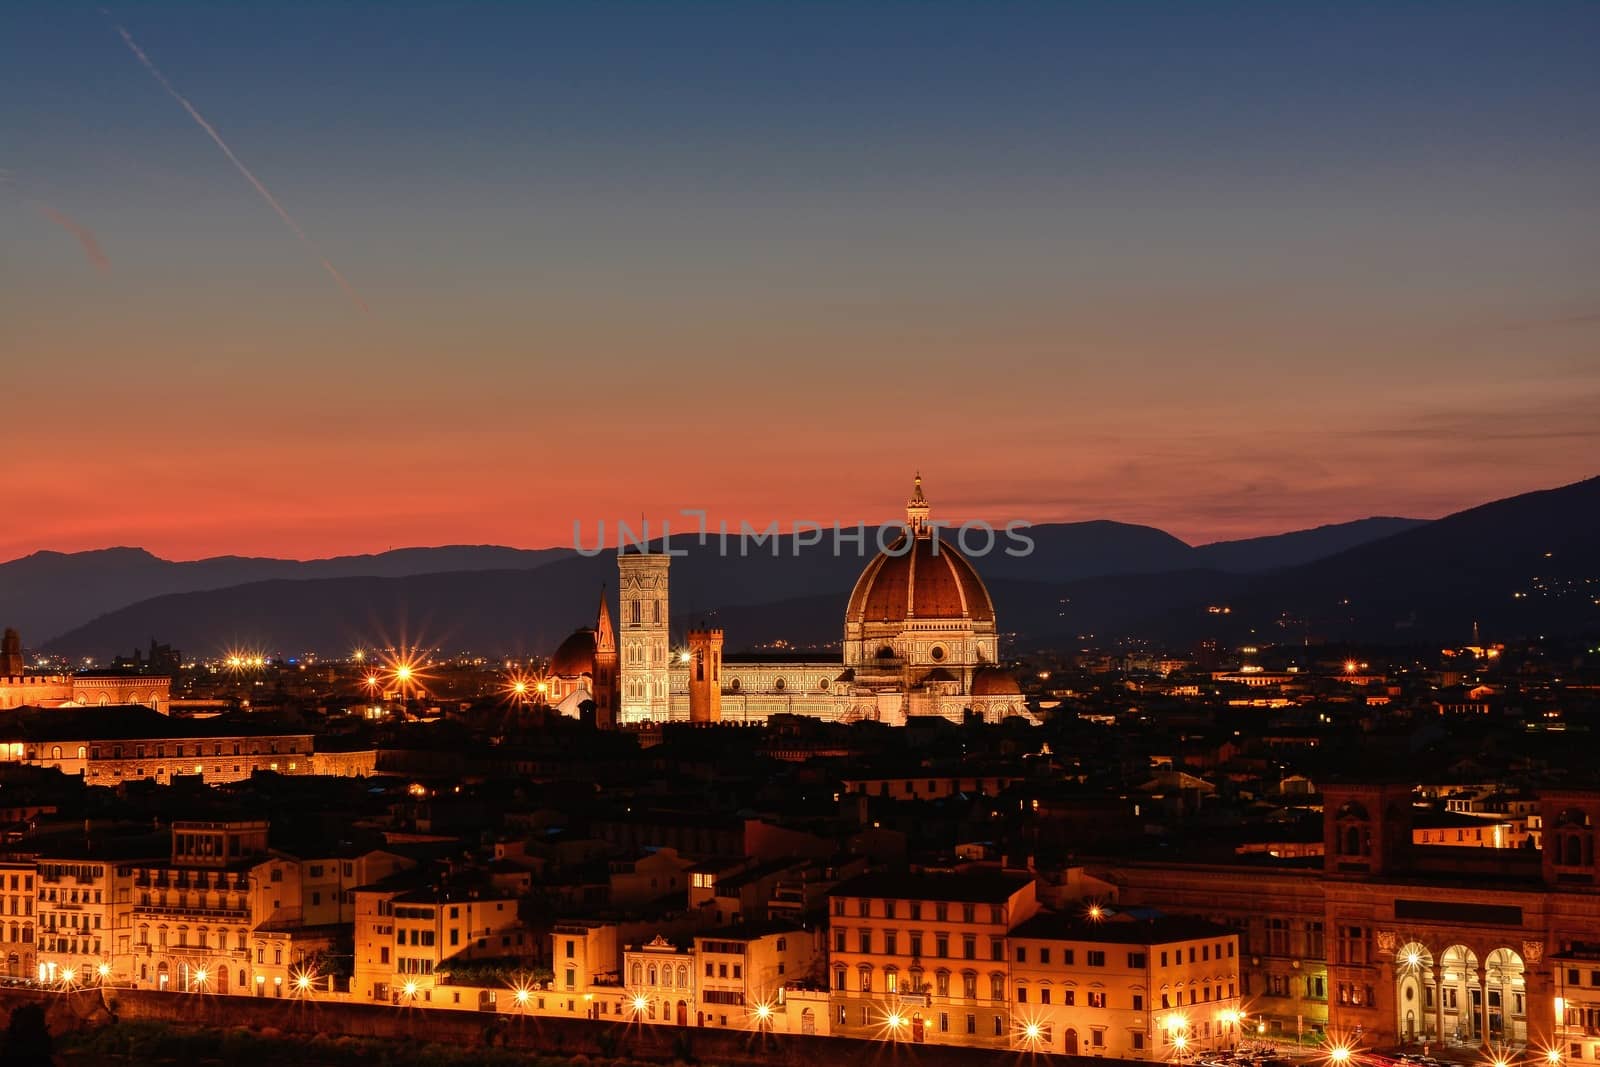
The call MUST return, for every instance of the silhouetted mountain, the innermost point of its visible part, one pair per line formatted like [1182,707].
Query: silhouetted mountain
[1256,554]
[49,592]
[1524,566]
[529,611]
[1100,579]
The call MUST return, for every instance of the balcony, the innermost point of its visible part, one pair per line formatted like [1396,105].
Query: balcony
[241,914]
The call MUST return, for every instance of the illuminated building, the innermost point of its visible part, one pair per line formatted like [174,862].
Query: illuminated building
[742,972]
[584,668]
[17,919]
[920,639]
[84,907]
[1407,942]
[659,982]
[1123,986]
[404,933]
[190,916]
[108,745]
[922,957]
[21,689]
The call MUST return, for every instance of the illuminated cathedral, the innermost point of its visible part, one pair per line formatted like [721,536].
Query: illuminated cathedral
[920,639]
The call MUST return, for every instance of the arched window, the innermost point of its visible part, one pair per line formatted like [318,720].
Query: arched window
[55,751]
[637,974]
[1574,851]
[683,977]
[866,978]
[652,974]
[838,978]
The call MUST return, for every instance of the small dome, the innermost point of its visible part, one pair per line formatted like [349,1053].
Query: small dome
[994,682]
[575,656]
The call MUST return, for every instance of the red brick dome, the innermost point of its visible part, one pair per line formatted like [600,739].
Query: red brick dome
[575,656]
[994,682]
[929,581]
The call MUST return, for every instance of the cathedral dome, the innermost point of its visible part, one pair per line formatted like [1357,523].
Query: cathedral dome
[928,581]
[575,656]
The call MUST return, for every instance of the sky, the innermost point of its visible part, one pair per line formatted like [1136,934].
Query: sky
[1222,268]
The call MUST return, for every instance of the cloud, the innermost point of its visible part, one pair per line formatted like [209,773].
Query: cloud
[86,238]
[256,183]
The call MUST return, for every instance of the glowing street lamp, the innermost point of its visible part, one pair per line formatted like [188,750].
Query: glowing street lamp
[410,990]
[103,971]
[640,1004]
[1552,1056]
[68,977]
[895,1022]
[1339,1055]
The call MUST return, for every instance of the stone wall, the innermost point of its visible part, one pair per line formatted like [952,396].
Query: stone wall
[86,1009]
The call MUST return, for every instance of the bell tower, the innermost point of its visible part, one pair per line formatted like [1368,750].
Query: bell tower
[642,592]
[705,675]
[11,655]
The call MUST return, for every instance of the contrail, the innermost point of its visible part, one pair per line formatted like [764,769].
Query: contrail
[266,194]
[85,236]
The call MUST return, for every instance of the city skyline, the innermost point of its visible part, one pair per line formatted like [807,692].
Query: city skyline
[1224,274]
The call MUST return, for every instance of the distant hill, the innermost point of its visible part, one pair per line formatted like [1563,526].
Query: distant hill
[1257,554]
[1384,579]
[66,594]
[49,592]
[1524,566]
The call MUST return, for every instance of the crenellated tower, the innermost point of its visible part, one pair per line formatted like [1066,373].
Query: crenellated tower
[705,676]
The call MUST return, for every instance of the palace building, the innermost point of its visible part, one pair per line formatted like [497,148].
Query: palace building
[1408,943]
[19,688]
[920,639]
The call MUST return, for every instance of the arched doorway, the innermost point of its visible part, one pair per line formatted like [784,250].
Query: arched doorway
[1505,992]
[808,1021]
[1070,1042]
[1460,996]
[1414,993]
[919,1027]
[683,1013]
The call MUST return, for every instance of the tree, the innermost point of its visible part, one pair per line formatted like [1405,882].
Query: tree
[28,1041]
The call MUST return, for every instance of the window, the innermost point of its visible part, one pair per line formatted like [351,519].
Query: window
[890,943]
[1022,994]
[866,941]
[1095,958]
[997,987]
[1097,999]
[1352,946]
[969,946]
[1044,955]
[1136,961]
